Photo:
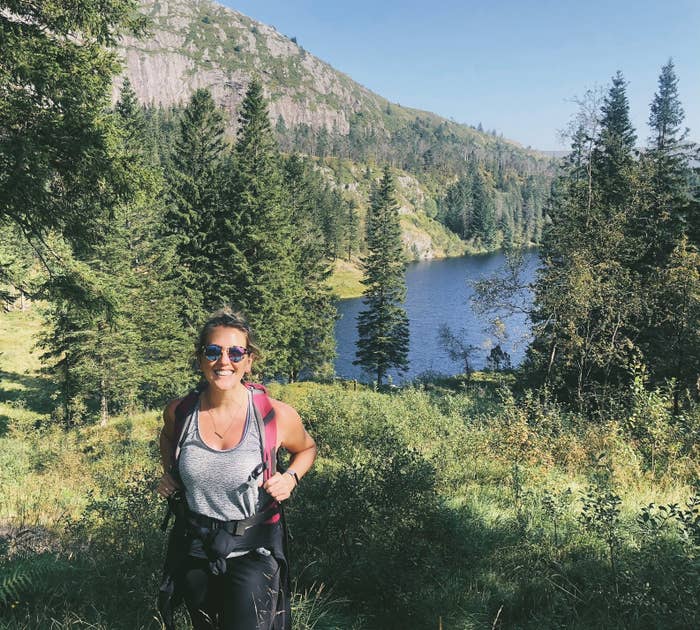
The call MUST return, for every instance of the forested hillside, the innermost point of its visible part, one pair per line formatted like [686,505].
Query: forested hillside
[315,110]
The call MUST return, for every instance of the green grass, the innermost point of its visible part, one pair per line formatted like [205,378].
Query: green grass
[442,503]
[24,393]
[345,280]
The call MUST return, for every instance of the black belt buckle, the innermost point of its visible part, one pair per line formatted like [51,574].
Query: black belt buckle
[235,528]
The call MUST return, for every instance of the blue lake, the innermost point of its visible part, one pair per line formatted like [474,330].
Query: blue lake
[438,293]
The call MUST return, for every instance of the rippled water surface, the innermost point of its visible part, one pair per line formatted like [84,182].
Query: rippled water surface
[438,293]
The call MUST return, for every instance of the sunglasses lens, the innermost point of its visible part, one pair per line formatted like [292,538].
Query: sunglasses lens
[236,353]
[212,352]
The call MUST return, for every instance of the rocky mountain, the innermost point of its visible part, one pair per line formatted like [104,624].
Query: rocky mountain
[314,108]
[197,43]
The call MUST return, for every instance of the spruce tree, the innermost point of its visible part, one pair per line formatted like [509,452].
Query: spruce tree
[483,222]
[613,154]
[383,325]
[667,169]
[662,232]
[113,326]
[254,236]
[457,207]
[153,299]
[196,181]
[312,347]
[58,61]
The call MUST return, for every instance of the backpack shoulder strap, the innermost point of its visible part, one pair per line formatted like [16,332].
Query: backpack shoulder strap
[183,417]
[267,427]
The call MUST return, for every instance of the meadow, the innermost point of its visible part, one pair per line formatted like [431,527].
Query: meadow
[450,503]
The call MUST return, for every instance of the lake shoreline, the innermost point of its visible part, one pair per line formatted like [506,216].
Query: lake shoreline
[438,293]
[345,280]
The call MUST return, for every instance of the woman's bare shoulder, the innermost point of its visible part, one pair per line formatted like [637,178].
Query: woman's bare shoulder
[169,412]
[284,411]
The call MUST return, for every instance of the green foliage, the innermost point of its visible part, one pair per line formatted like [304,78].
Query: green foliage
[375,499]
[619,282]
[54,88]
[600,515]
[383,325]
[555,506]
[30,577]
[195,213]
[114,309]
[446,500]
[256,238]
[312,348]
[18,262]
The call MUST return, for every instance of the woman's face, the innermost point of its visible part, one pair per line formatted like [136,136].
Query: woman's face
[223,373]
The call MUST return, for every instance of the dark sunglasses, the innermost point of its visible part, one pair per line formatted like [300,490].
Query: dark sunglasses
[213,352]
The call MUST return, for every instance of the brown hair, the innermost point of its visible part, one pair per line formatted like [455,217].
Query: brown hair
[228,318]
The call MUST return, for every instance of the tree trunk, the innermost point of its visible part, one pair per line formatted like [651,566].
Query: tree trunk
[103,404]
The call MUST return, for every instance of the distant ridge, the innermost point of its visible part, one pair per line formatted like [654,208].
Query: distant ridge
[318,111]
[198,43]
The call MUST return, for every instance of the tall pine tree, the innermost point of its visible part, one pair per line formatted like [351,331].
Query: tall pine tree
[383,326]
[663,236]
[254,240]
[312,347]
[196,180]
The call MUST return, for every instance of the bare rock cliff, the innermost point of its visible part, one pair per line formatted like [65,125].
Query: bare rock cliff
[198,44]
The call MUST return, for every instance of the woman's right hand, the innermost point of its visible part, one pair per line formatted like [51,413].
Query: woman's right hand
[168,485]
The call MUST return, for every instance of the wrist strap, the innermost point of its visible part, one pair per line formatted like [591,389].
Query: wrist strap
[289,471]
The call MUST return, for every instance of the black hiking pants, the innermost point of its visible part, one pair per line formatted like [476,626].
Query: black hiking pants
[243,598]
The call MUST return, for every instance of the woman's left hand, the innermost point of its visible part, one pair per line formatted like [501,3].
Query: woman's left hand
[280,486]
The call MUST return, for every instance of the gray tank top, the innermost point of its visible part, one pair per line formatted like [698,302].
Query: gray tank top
[220,484]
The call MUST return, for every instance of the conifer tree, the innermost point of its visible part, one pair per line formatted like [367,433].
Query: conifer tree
[312,347]
[114,331]
[666,163]
[383,326]
[58,60]
[662,233]
[457,207]
[613,154]
[17,260]
[196,183]
[153,299]
[255,236]
[483,223]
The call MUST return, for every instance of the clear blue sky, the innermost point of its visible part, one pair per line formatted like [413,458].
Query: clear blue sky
[511,65]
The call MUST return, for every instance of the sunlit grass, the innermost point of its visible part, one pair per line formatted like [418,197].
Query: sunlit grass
[19,333]
[345,281]
[492,461]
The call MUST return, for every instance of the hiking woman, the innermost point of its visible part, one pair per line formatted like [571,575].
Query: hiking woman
[226,557]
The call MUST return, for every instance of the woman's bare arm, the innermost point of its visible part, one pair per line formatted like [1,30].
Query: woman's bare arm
[167,484]
[293,437]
